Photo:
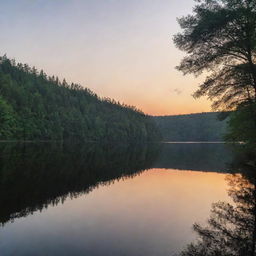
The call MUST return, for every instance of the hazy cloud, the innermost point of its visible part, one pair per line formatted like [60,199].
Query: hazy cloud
[177,91]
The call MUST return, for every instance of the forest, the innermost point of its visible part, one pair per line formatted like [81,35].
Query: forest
[34,106]
[193,127]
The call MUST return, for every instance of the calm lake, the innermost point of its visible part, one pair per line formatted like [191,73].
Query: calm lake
[108,200]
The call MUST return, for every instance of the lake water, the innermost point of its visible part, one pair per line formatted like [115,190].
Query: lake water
[108,200]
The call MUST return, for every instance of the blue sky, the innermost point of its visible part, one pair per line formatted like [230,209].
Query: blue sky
[118,48]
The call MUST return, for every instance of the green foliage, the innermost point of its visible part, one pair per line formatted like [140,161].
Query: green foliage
[37,107]
[7,120]
[242,125]
[220,38]
[194,127]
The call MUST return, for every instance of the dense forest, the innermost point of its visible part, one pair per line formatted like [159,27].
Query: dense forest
[34,106]
[193,127]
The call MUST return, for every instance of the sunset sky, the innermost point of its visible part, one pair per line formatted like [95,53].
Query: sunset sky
[120,49]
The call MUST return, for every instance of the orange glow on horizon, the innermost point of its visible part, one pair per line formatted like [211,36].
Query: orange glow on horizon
[119,49]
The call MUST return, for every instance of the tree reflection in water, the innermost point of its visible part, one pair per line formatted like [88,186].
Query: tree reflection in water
[231,228]
[36,175]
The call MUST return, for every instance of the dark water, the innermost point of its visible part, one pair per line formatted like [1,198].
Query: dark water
[110,200]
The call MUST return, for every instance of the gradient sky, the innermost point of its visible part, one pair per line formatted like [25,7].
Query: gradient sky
[120,49]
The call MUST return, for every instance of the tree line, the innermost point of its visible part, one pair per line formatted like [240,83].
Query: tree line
[193,127]
[34,106]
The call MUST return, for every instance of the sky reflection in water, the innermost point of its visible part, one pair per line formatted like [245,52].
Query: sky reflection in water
[123,201]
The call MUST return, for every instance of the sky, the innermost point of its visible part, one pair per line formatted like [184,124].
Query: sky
[120,49]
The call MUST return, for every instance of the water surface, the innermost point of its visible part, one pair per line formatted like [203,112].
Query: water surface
[107,200]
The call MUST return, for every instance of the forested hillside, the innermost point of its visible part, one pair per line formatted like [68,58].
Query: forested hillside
[193,127]
[34,106]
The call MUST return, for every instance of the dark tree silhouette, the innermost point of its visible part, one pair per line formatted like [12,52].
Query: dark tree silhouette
[220,37]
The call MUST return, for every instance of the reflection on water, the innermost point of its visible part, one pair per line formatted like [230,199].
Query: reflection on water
[210,157]
[36,175]
[107,199]
[231,228]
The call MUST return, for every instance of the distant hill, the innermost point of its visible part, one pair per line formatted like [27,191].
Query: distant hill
[192,127]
